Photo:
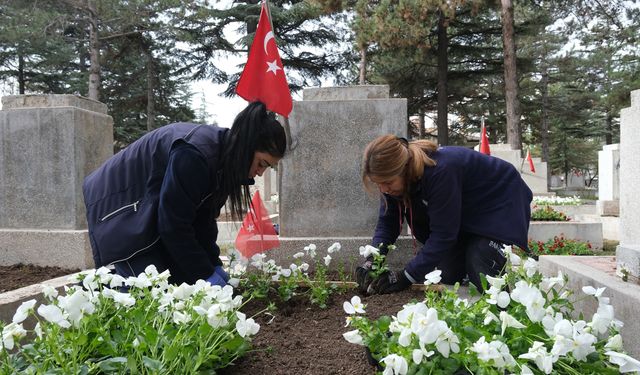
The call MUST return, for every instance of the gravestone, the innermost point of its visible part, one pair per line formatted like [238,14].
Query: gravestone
[322,199]
[608,203]
[628,252]
[537,181]
[48,144]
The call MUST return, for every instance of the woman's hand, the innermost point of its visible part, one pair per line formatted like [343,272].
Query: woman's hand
[389,282]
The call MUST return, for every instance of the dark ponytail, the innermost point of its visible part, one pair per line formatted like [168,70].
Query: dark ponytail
[254,129]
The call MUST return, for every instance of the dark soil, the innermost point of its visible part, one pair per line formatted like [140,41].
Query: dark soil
[20,275]
[301,338]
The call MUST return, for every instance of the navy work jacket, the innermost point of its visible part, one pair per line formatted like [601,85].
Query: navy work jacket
[160,194]
[465,191]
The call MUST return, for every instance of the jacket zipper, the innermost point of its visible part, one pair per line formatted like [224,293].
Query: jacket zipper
[134,205]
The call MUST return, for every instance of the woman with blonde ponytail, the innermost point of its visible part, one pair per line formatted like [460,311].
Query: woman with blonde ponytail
[463,206]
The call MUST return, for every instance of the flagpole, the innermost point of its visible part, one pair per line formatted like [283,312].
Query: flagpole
[522,165]
[285,122]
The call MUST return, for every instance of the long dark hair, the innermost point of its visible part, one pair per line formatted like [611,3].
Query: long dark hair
[254,129]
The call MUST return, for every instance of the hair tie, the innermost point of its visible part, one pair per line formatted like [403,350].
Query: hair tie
[403,140]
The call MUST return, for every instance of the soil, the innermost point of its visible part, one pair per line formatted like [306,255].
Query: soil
[20,275]
[301,338]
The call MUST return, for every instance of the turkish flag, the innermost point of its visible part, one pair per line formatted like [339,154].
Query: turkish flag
[257,233]
[533,169]
[263,77]
[484,141]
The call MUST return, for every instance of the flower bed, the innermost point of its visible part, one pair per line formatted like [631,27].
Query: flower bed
[523,324]
[151,328]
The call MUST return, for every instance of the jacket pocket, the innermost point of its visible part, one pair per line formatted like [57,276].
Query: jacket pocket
[126,208]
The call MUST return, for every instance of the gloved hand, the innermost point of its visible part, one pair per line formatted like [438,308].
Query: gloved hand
[219,277]
[390,282]
[363,277]
[222,273]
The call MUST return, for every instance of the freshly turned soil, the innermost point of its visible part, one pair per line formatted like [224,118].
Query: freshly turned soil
[301,338]
[20,275]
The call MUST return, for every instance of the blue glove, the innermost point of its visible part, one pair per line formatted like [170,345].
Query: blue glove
[222,273]
[219,277]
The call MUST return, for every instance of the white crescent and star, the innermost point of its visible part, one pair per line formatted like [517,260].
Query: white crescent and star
[273,65]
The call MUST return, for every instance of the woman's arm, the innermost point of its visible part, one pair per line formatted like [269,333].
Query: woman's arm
[185,185]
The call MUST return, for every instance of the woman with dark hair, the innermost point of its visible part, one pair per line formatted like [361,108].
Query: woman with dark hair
[156,201]
[461,204]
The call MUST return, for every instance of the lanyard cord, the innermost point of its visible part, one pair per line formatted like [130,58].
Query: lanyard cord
[415,246]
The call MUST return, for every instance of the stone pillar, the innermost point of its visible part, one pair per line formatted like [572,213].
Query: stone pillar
[628,252]
[322,199]
[48,144]
[608,203]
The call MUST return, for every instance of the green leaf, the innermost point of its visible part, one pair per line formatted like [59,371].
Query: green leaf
[152,364]
[113,364]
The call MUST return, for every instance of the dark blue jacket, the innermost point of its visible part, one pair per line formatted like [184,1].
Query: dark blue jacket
[161,194]
[465,191]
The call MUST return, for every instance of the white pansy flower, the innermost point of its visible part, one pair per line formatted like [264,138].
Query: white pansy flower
[419,354]
[531,267]
[76,305]
[299,254]
[433,277]
[525,370]
[590,290]
[181,318]
[395,365]
[549,282]
[509,321]
[514,259]
[53,314]
[327,260]
[334,248]
[405,337]
[354,307]
[614,343]
[135,342]
[246,327]
[368,250]
[311,250]
[38,330]
[49,292]
[496,282]
[538,353]
[23,311]
[353,337]
[116,281]
[234,282]
[626,363]
[10,333]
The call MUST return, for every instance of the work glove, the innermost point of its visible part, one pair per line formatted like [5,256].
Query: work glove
[219,277]
[390,282]
[363,278]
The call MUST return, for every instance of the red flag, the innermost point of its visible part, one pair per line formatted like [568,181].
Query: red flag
[263,77]
[484,141]
[533,169]
[257,233]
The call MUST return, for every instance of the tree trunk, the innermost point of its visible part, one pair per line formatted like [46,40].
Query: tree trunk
[443,43]
[608,138]
[21,80]
[94,53]
[421,125]
[363,66]
[545,121]
[514,136]
[151,111]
